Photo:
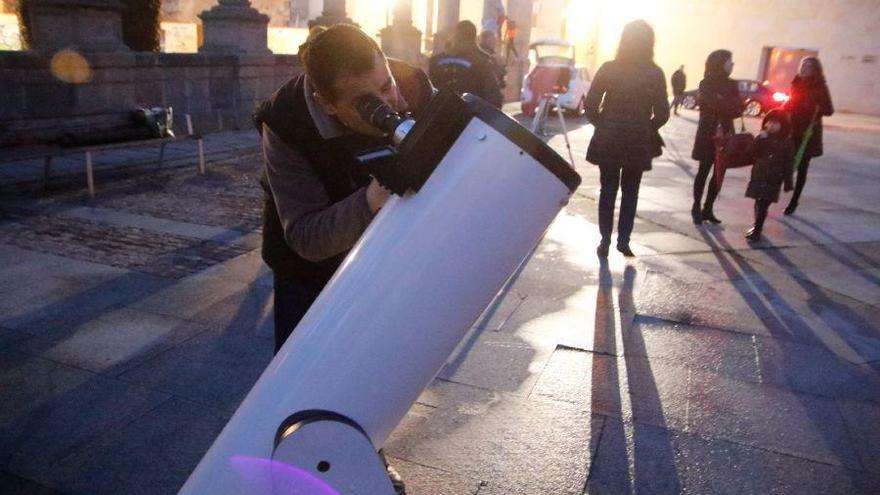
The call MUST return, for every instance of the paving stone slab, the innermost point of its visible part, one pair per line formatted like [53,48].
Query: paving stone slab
[722,305]
[722,467]
[835,267]
[634,457]
[25,266]
[16,485]
[505,433]
[423,480]
[862,420]
[666,242]
[248,268]
[631,387]
[867,252]
[195,298]
[9,337]
[728,353]
[812,314]
[699,267]
[815,370]
[771,418]
[496,315]
[844,225]
[133,248]
[570,321]
[50,410]
[217,367]
[107,215]
[251,306]
[497,361]
[152,455]
[70,302]
[112,342]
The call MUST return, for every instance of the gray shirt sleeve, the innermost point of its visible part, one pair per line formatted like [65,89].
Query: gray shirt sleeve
[313,228]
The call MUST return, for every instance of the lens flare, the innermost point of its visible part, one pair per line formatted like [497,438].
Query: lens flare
[70,67]
[279,477]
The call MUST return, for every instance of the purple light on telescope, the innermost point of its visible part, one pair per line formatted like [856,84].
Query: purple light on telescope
[280,478]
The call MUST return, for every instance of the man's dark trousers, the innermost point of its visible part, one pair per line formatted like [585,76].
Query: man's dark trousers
[292,299]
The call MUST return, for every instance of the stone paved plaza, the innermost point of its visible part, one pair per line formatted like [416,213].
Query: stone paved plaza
[132,324]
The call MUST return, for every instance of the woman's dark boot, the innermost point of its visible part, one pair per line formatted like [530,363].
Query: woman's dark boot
[602,250]
[753,234]
[708,215]
[696,214]
[625,250]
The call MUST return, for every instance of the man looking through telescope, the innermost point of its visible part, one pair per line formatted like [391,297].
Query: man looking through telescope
[318,201]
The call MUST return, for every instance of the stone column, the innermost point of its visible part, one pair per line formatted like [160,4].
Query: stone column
[447,14]
[401,39]
[521,12]
[447,18]
[333,13]
[299,13]
[233,26]
[85,25]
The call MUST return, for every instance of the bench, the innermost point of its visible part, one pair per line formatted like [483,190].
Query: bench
[90,150]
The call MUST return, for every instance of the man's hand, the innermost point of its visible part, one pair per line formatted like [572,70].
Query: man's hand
[377,195]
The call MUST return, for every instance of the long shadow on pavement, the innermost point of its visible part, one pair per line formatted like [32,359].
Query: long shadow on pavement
[838,243]
[836,315]
[783,322]
[635,457]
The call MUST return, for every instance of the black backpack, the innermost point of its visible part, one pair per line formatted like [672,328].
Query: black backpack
[453,72]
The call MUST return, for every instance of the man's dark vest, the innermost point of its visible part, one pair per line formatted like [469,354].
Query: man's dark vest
[287,114]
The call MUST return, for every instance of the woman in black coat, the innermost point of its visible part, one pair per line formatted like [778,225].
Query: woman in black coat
[627,105]
[720,102]
[809,99]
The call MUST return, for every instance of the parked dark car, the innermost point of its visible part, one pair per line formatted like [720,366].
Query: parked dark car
[760,98]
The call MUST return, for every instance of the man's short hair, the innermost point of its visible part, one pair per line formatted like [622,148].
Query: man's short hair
[465,31]
[342,50]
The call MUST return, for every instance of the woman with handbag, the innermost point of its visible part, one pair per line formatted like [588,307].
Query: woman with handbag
[720,102]
[809,102]
[627,105]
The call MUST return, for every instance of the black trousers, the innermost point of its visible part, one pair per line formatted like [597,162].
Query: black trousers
[509,48]
[612,178]
[761,208]
[801,179]
[700,183]
[292,300]
[676,102]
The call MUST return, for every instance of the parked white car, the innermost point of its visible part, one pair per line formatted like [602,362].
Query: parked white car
[554,72]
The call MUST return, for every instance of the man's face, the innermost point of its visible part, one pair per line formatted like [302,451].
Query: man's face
[379,82]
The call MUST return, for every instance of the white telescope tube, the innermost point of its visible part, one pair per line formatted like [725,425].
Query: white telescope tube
[402,300]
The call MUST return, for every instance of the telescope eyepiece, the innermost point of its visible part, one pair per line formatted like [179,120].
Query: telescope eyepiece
[378,114]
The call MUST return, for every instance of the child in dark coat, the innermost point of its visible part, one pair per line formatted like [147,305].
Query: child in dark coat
[773,153]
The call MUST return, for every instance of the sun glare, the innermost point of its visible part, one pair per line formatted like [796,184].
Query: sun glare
[614,15]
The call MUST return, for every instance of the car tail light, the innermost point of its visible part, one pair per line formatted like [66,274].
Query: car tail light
[780,97]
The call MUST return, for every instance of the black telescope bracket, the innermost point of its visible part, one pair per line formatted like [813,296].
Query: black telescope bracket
[418,146]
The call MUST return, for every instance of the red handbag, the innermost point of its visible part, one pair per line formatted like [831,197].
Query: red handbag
[732,151]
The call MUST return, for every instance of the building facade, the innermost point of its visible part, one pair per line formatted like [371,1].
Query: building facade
[845,34]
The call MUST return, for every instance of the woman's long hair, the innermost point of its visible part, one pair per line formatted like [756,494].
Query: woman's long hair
[715,64]
[636,43]
[818,72]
